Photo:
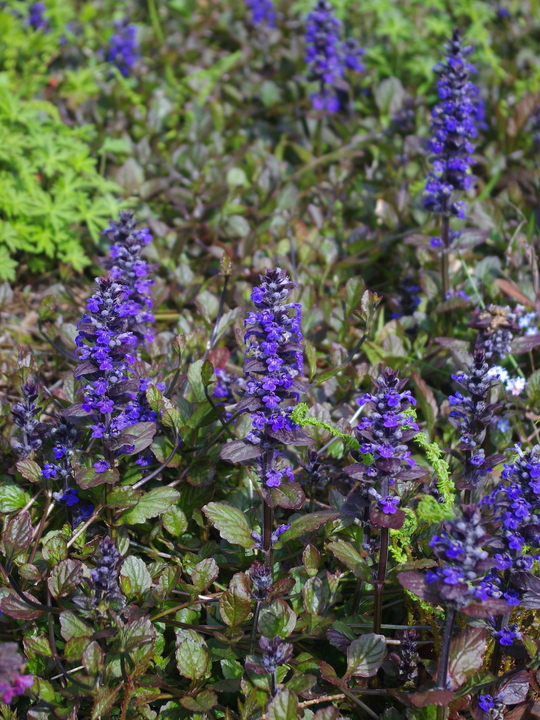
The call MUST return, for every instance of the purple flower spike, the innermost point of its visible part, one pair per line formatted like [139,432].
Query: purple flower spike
[123,47]
[274,359]
[328,57]
[452,130]
[262,12]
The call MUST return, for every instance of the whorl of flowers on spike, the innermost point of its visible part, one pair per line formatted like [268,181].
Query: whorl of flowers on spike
[497,326]
[127,267]
[262,12]
[65,438]
[25,415]
[461,548]
[123,49]
[276,652]
[471,415]
[110,332]
[383,434]
[36,17]
[516,504]
[327,56]
[452,129]
[274,359]
[105,574]
[12,682]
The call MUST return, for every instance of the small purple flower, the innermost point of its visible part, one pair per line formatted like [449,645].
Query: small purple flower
[486,702]
[507,635]
[101,466]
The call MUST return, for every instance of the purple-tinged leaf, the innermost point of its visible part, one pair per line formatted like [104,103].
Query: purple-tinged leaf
[134,438]
[65,577]
[288,495]
[527,711]
[330,675]
[515,689]
[470,237]
[492,606]
[15,607]
[431,697]
[239,451]
[387,520]
[467,652]
[416,583]
[525,344]
[88,477]
[17,535]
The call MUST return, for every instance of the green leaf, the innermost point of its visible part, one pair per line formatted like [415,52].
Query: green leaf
[156,502]
[203,701]
[93,659]
[351,558]
[134,438]
[89,478]
[277,619]
[71,626]
[283,707]
[192,659]
[314,596]
[134,577]
[204,574]
[307,524]
[37,645]
[104,700]
[65,577]
[311,558]
[175,521]
[365,655]
[30,470]
[12,497]
[231,523]
[235,603]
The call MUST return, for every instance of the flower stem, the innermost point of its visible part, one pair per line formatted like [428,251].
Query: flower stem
[442,676]
[445,271]
[379,585]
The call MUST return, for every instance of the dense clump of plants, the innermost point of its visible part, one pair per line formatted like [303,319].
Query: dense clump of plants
[277,456]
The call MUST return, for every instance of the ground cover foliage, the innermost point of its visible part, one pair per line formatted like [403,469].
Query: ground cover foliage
[269,360]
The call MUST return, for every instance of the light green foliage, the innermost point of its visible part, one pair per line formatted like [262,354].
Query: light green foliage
[49,186]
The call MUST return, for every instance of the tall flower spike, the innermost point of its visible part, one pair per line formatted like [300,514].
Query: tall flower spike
[327,56]
[111,331]
[25,415]
[461,548]
[123,47]
[471,415]
[128,267]
[453,128]
[262,12]
[516,508]
[274,359]
[383,435]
